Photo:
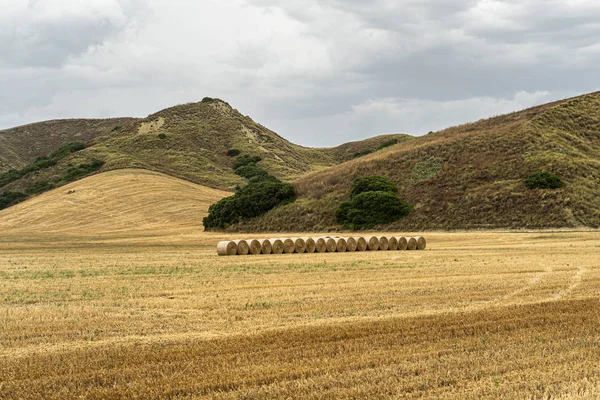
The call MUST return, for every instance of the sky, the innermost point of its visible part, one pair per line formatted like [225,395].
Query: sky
[318,72]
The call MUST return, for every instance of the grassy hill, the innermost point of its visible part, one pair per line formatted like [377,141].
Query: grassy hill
[471,176]
[190,141]
[124,201]
[22,145]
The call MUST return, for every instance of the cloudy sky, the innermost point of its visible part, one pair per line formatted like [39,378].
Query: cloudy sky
[319,72]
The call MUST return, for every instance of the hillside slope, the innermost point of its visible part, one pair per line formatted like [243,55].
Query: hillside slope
[191,142]
[21,145]
[124,201]
[471,176]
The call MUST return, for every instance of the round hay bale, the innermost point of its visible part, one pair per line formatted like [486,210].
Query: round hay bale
[255,246]
[226,248]
[372,243]
[288,246]
[412,244]
[402,243]
[383,243]
[421,243]
[266,247]
[320,245]
[299,245]
[340,245]
[331,244]
[310,244]
[361,243]
[276,246]
[392,243]
[350,244]
[242,247]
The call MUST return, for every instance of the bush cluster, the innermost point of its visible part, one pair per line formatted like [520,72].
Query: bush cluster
[162,136]
[362,153]
[543,180]
[262,193]
[387,143]
[41,163]
[8,199]
[373,201]
[82,170]
[233,152]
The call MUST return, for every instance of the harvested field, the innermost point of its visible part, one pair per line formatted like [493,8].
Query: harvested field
[475,315]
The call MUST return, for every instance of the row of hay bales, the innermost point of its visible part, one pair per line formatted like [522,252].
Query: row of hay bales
[325,244]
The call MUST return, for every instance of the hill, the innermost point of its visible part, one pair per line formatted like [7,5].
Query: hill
[471,176]
[124,201]
[22,145]
[192,141]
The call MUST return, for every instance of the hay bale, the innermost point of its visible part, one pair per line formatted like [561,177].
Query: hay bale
[321,245]
[288,246]
[350,244]
[310,244]
[402,243]
[392,243]
[266,247]
[421,243]
[383,243]
[299,245]
[242,247]
[276,246]
[361,244]
[331,244]
[340,245]
[226,248]
[372,243]
[255,246]
[412,244]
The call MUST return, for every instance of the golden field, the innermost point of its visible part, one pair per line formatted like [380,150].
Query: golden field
[87,311]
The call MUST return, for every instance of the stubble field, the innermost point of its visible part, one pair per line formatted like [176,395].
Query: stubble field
[513,315]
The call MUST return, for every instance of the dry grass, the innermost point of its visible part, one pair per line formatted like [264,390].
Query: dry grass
[476,315]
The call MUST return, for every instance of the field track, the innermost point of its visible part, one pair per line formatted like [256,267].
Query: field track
[88,310]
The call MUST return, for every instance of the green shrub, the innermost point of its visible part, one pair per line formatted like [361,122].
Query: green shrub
[162,136]
[368,209]
[82,170]
[8,199]
[39,187]
[245,160]
[117,128]
[543,180]
[387,143]
[362,153]
[250,201]
[9,176]
[233,152]
[427,169]
[372,184]
[251,171]
[67,149]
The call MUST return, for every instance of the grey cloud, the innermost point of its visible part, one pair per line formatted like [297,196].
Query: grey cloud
[319,72]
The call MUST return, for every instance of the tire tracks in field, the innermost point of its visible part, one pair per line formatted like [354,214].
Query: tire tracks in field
[574,282]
